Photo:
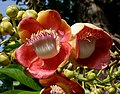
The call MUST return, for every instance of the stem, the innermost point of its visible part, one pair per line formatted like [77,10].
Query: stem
[14,24]
[4,41]
[34,4]
[83,82]
[95,88]
[99,73]
[101,86]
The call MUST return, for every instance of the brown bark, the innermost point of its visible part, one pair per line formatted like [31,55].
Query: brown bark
[89,12]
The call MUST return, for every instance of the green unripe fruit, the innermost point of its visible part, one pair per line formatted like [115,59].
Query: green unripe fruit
[12,11]
[30,13]
[19,15]
[91,76]
[5,19]
[4,59]
[112,90]
[0,15]
[6,28]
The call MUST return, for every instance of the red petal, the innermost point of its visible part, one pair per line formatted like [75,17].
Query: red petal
[103,38]
[69,86]
[64,31]
[98,60]
[25,55]
[39,69]
[49,19]
[47,67]
[27,26]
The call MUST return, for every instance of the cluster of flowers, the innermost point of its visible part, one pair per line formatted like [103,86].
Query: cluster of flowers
[48,42]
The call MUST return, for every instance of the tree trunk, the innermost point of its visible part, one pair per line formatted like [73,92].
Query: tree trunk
[89,12]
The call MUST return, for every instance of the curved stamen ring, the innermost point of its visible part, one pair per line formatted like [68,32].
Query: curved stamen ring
[45,43]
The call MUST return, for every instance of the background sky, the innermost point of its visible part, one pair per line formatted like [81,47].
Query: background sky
[3,5]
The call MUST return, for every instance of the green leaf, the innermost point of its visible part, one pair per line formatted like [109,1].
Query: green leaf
[21,77]
[20,92]
[9,48]
[17,66]
[7,82]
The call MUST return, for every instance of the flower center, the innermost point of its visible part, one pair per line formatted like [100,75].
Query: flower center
[45,43]
[56,90]
[86,48]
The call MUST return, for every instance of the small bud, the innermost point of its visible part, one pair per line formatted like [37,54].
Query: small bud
[112,90]
[0,15]
[30,13]
[91,76]
[19,15]
[6,28]
[4,59]
[69,73]
[6,19]
[99,91]
[12,11]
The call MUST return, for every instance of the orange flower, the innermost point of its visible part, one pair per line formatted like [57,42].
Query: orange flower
[60,85]
[46,43]
[91,45]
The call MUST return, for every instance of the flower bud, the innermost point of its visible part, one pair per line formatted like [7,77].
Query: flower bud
[0,15]
[4,59]
[6,19]
[6,28]
[69,73]
[99,91]
[112,90]
[30,13]
[91,76]
[116,74]
[12,11]
[19,15]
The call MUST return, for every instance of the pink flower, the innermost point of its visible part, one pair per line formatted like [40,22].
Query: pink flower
[91,45]
[46,43]
[61,85]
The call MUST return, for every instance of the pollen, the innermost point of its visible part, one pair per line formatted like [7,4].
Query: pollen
[56,90]
[46,43]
